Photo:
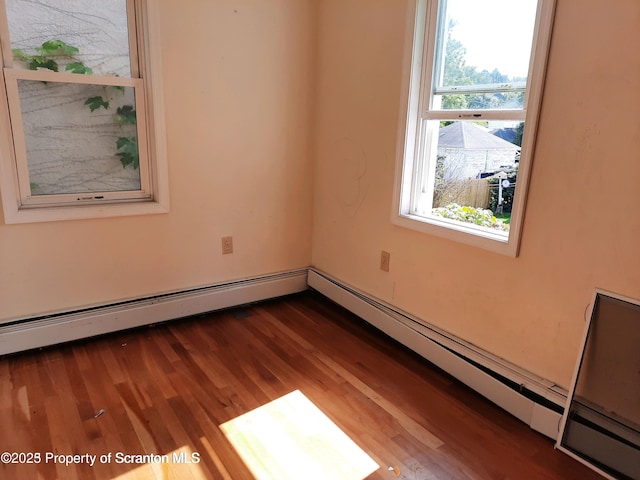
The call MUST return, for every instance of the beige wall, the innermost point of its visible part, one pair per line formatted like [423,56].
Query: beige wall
[582,226]
[238,95]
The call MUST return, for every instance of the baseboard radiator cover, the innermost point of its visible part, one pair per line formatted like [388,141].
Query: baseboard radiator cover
[534,400]
[29,333]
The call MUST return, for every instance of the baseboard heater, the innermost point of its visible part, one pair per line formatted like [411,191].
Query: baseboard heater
[534,400]
[29,333]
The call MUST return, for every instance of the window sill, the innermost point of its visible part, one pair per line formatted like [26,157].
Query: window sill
[82,212]
[485,238]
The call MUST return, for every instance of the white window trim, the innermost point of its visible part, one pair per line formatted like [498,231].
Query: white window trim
[26,199]
[148,46]
[417,59]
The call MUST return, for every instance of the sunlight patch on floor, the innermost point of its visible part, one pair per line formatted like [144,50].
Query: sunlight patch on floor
[290,438]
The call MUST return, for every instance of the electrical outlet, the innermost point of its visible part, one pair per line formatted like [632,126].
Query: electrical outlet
[385,259]
[227,245]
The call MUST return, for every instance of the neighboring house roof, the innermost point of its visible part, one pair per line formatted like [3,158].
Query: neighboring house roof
[508,134]
[468,135]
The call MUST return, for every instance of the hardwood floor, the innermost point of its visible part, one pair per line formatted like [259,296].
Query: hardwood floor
[167,389]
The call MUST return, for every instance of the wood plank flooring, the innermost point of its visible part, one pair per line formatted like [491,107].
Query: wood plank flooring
[168,388]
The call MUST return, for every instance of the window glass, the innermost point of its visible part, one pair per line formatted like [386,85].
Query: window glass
[475,172]
[482,56]
[97,29]
[72,149]
[508,100]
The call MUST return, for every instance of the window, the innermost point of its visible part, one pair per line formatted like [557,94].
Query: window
[83,127]
[473,89]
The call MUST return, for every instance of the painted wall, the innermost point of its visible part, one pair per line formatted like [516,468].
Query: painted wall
[238,82]
[582,226]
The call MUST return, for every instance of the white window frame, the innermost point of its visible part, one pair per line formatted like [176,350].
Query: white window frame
[19,205]
[412,172]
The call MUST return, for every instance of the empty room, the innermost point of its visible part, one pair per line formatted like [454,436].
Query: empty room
[320,239]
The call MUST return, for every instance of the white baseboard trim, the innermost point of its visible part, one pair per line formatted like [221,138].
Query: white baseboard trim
[535,401]
[26,334]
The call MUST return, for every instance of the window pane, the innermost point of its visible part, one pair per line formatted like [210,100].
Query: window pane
[476,170]
[97,28]
[71,149]
[480,101]
[485,44]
